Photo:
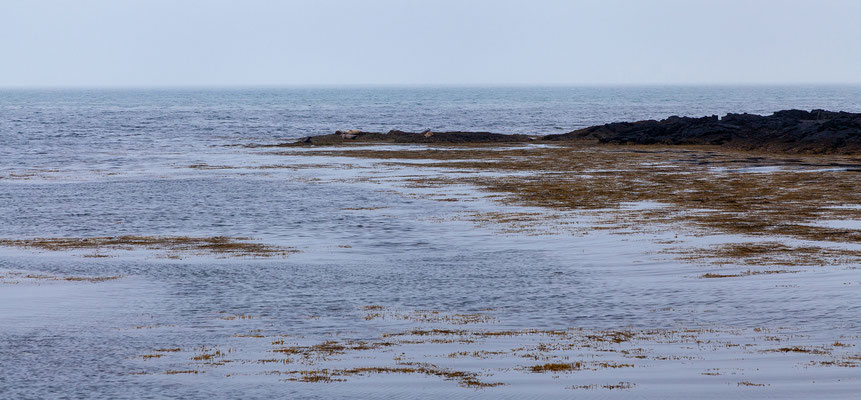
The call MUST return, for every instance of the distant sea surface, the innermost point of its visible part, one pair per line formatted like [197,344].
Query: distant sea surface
[72,123]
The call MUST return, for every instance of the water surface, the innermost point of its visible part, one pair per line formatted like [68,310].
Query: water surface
[77,163]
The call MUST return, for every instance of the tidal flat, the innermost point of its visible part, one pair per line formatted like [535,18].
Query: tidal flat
[481,271]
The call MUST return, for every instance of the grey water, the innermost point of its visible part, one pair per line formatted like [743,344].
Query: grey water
[106,162]
[110,126]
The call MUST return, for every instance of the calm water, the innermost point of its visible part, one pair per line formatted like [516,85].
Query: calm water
[110,128]
[111,162]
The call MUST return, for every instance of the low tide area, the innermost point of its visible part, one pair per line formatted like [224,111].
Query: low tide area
[162,265]
[478,271]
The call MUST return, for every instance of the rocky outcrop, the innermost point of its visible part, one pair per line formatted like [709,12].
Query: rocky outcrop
[426,136]
[816,131]
[793,131]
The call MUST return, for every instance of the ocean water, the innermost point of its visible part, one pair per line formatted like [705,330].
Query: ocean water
[72,127]
[76,163]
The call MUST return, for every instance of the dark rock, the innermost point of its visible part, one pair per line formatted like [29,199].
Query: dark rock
[427,136]
[454,137]
[816,131]
[793,131]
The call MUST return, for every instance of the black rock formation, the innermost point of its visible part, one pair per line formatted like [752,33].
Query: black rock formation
[816,131]
[789,131]
[412,137]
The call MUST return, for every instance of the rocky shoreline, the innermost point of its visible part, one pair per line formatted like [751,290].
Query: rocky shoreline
[789,131]
[427,136]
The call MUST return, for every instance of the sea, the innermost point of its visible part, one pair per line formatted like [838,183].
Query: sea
[78,162]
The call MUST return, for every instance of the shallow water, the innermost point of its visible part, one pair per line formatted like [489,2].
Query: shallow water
[108,163]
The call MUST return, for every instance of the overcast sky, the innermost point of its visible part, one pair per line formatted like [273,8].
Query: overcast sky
[256,42]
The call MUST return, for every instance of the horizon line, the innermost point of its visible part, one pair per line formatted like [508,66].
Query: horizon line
[421,85]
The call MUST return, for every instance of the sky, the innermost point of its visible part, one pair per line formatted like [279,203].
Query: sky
[105,43]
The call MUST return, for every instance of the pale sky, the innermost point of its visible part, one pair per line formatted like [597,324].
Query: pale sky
[481,42]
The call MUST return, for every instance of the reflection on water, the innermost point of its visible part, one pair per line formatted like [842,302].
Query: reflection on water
[79,164]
